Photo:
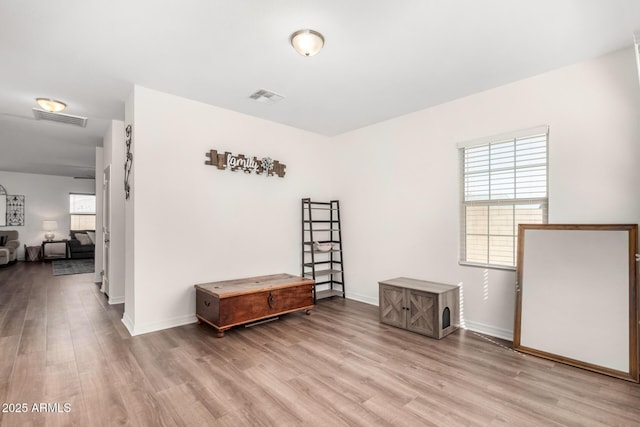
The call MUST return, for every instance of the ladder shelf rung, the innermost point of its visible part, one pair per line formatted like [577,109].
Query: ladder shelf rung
[329,293]
[325,272]
[311,264]
[309,202]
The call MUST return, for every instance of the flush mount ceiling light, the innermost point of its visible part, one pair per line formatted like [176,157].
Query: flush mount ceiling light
[51,105]
[307,42]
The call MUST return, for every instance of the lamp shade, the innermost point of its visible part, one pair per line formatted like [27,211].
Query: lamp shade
[307,42]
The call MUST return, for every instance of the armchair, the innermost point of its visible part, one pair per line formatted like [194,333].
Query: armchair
[9,244]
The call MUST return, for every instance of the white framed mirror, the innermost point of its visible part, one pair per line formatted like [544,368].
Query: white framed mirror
[576,296]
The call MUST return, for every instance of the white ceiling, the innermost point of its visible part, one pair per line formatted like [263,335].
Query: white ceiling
[381,59]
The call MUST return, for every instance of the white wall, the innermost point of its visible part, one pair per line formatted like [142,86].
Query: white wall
[99,240]
[114,153]
[129,223]
[399,184]
[46,198]
[193,223]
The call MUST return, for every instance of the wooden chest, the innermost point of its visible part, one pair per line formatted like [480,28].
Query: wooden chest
[428,308]
[235,302]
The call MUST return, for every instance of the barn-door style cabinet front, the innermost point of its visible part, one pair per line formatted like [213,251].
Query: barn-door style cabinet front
[426,308]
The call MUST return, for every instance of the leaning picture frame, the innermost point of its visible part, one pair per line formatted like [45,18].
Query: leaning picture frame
[577,296]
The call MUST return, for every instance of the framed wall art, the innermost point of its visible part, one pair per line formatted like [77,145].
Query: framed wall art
[15,211]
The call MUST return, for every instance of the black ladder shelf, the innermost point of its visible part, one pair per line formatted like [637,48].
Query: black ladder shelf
[321,224]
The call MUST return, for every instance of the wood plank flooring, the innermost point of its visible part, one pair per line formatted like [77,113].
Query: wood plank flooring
[60,342]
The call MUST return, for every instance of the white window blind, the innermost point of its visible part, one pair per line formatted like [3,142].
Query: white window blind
[82,210]
[504,183]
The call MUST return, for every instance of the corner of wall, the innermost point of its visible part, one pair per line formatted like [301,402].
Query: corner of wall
[140,329]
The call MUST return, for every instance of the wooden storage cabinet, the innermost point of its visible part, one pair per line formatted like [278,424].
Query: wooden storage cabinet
[235,302]
[427,308]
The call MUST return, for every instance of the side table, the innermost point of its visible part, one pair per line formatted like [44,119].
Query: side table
[59,250]
[32,253]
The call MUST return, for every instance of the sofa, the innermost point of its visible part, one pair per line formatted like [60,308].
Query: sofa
[81,245]
[9,244]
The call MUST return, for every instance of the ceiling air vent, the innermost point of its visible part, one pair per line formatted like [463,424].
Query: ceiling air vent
[59,117]
[266,97]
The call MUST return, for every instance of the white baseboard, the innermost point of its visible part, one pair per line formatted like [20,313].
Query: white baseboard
[127,323]
[505,334]
[159,325]
[116,300]
[362,298]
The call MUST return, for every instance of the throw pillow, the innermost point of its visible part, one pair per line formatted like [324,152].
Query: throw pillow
[83,239]
[3,240]
[92,236]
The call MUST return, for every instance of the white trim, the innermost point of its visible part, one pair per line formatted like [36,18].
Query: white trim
[128,323]
[116,300]
[505,334]
[538,130]
[636,40]
[493,266]
[362,298]
[159,325]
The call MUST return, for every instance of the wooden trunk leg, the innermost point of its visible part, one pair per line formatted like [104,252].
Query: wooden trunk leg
[307,312]
[219,333]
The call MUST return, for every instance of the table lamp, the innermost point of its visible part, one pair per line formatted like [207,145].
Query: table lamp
[49,227]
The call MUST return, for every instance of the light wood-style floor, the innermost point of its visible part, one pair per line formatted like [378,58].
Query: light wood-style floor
[60,342]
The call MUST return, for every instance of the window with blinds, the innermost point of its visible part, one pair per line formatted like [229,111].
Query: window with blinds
[504,183]
[82,211]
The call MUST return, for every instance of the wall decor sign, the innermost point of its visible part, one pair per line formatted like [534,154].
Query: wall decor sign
[15,210]
[265,166]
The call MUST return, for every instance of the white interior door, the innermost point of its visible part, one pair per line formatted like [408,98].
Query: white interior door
[106,215]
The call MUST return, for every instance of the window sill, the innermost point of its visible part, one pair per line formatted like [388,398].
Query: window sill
[491,266]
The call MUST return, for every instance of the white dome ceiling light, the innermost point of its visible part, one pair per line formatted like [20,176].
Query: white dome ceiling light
[307,42]
[51,105]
